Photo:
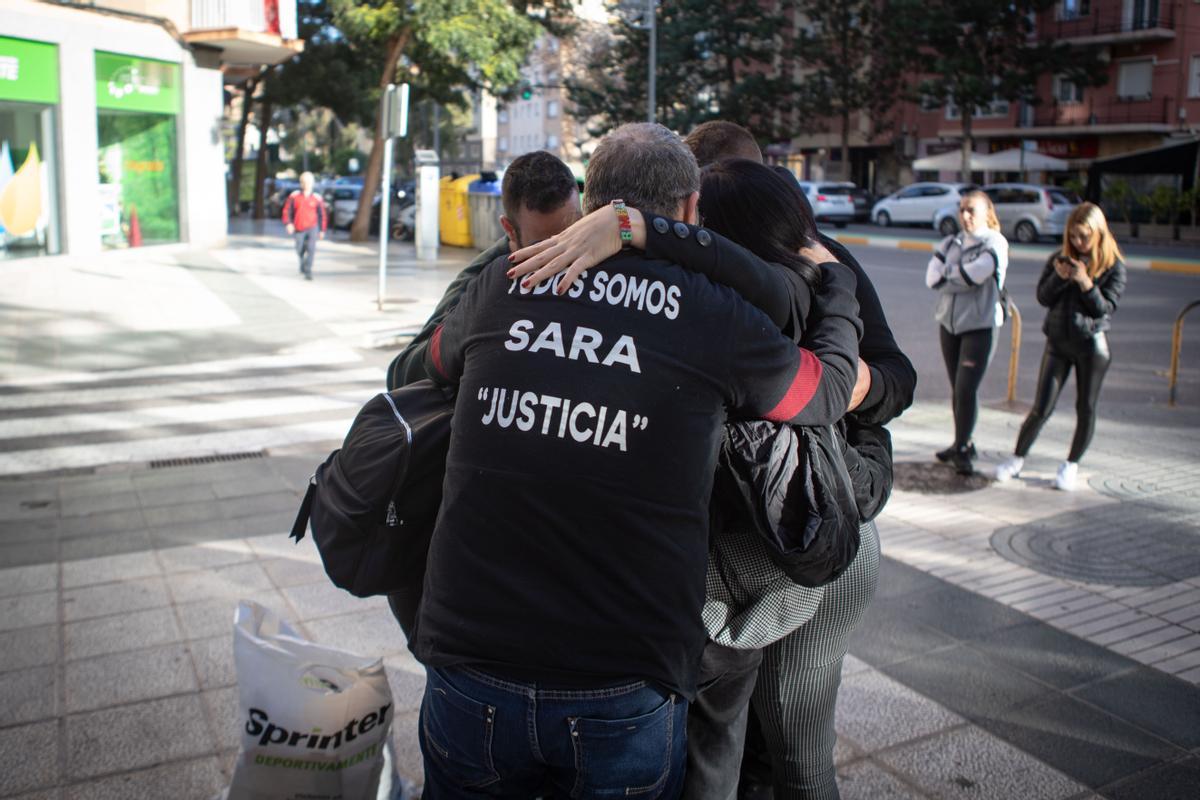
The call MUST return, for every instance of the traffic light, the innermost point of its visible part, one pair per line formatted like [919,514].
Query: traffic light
[526,91]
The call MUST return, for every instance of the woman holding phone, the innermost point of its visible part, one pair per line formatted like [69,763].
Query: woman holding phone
[1081,286]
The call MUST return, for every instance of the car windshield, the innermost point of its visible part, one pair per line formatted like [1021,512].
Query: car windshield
[833,189]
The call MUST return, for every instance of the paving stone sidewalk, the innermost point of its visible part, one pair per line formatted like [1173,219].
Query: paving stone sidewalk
[1000,610]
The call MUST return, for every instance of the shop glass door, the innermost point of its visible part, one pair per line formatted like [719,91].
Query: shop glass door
[137,107]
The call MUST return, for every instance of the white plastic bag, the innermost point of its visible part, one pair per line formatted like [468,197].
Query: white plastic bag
[314,720]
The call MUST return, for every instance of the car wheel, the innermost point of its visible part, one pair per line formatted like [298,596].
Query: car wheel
[1026,233]
[948,227]
[883,219]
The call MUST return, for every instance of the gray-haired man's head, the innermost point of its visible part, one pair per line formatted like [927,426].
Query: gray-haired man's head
[648,167]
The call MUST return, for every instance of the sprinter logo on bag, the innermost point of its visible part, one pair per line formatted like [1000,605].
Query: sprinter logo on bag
[259,723]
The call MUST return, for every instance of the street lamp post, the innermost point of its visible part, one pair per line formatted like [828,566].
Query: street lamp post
[653,59]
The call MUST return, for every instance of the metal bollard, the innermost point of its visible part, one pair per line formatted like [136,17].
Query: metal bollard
[1176,344]
[1014,357]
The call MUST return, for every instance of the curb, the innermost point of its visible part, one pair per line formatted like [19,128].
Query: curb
[1021,252]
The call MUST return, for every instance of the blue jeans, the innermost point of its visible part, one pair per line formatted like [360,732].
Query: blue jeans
[483,736]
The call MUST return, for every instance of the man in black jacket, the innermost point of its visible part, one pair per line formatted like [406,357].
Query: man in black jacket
[800,670]
[540,198]
[561,615]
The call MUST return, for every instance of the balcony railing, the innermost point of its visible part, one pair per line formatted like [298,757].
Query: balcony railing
[1142,15]
[1128,111]
[276,17]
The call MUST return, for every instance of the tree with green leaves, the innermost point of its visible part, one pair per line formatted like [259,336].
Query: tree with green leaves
[972,53]
[851,63]
[445,45]
[714,61]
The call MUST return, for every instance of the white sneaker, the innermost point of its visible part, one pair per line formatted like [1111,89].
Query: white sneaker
[1065,480]
[1009,468]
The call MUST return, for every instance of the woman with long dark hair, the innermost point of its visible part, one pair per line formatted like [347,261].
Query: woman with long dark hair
[1080,286]
[790,662]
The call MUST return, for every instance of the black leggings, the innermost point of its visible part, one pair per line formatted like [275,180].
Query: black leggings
[1090,359]
[967,356]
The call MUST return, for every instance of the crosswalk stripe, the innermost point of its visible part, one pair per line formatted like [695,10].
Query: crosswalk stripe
[314,380]
[282,407]
[94,455]
[314,358]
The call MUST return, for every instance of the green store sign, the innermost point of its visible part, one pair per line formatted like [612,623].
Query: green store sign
[126,83]
[28,71]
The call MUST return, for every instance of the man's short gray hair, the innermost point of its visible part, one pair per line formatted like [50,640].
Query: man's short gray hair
[646,165]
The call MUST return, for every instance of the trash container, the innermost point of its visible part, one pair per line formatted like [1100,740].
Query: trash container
[455,219]
[484,209]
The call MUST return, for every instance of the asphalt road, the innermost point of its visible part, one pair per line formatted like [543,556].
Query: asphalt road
[1165,249]
[1140,339]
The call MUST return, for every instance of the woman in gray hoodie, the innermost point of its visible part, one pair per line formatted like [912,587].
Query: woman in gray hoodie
[967,270]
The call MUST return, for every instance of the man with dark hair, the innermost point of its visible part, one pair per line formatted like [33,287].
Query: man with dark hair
[717,139]
[560,623]
[540,198]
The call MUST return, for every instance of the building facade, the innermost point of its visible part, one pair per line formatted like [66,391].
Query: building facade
[1151,98]
[111,114]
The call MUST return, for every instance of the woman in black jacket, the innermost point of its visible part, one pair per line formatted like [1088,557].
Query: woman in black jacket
[1081,286]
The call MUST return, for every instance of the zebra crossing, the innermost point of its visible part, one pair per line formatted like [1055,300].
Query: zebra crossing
[85,420]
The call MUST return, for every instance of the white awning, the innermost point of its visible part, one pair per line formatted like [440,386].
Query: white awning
[951,160]
[1032,161]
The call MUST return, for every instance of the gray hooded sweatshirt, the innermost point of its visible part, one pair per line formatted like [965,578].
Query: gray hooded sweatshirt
[968,271]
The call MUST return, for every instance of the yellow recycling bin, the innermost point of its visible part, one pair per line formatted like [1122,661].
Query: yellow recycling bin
[454,218]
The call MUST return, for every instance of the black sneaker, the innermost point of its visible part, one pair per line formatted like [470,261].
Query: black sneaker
[960,459]
[947,456]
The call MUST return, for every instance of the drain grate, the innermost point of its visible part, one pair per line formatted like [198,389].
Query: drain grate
[214,459]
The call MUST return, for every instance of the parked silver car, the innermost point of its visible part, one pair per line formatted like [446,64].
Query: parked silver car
[1026,211]
[831,202]
[917,203]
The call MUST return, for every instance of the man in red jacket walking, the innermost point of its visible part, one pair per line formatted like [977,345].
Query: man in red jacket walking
[305,216]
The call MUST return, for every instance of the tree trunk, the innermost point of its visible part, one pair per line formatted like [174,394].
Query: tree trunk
[968,145]
[262,163]
[235,179]
[845,143]
[362,218]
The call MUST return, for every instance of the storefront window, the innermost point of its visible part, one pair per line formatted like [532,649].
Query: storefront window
[137,103]
[29,222]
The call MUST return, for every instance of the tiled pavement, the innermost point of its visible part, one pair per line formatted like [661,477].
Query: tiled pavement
[973,676]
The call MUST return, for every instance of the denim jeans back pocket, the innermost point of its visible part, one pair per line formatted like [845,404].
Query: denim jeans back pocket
[623,757]
[458,733]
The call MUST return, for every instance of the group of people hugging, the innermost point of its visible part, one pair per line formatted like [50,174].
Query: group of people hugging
[594,622]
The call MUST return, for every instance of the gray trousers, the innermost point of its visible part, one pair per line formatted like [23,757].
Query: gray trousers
[793,692]
[306,247]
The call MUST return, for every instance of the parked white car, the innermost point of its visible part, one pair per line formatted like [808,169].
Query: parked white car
[1026,211]
[831,202]
[917,203]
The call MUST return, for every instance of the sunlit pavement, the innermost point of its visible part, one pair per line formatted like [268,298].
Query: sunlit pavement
[163,409]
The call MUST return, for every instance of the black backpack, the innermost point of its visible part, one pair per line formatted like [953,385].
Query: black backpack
[373,503]
[791,486]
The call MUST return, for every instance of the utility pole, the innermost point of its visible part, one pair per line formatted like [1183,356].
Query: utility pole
[653,59]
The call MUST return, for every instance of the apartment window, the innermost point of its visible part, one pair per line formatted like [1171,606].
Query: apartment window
[502,144]
[551,142]
[1194,77]
[1066,91]
[1135,78]
[1074,9]
[552,108]
[502,115]
[997,108]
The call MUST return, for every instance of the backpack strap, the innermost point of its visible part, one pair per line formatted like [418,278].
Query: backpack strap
[301,524]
